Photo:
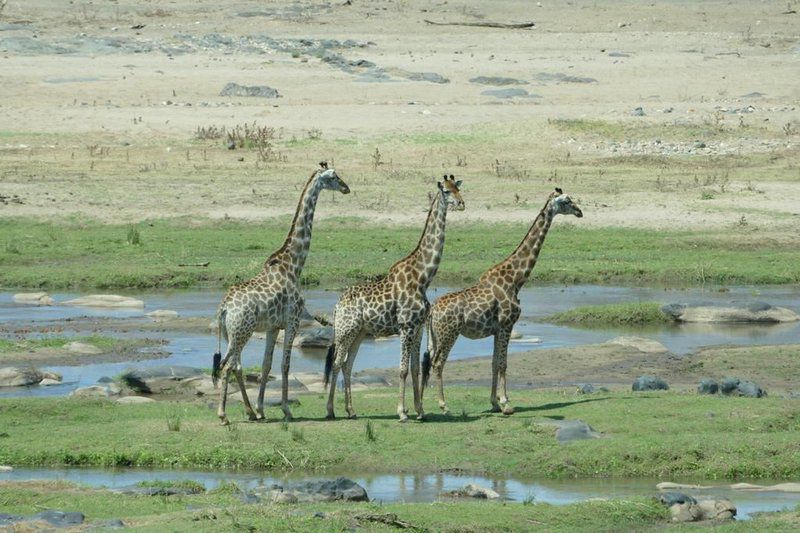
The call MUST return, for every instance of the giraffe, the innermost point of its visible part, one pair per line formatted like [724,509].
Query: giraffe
[395,303]
[491,306]
[271,301]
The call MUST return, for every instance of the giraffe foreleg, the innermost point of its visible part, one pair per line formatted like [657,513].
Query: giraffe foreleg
[501,371]
[495,369]
[266,366]
[348,373]
[406,341]
[288,338]
[445,342]
[415,382]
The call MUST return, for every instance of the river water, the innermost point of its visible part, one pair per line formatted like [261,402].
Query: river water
[423,487]
[196,348]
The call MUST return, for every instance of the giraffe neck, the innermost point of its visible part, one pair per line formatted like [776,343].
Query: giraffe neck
[522,260]
[295,248]
[428,253]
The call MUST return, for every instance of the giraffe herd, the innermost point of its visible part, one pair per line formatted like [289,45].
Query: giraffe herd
[394,304]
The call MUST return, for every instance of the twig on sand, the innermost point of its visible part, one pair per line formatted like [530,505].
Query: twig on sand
[502,25]
[194,264]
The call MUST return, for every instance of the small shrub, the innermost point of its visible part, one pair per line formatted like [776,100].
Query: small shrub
[369,431]
[195,487]
[174,422]
[530,499]
[134,237]
[298,435]
[706,195]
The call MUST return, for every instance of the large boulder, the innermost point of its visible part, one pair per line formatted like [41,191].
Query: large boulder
[33,298]
[645,383]
[45,520]
[340,489]
[738,387]
[161,379]
[13,376]
[757,312]
[572,430]
[707,386]
[112,301]
[162,314]
[96,391]
[319,337]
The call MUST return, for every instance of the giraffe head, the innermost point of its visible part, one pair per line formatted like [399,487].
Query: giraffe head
[329,179]
[451,192]
[561,204]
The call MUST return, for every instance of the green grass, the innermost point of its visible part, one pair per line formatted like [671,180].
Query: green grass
[59,255]
[12,346]
[220,511]
[627,314]
[661,435]
[194,486]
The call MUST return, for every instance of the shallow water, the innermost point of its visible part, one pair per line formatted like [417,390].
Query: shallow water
[422,488]
[195,349]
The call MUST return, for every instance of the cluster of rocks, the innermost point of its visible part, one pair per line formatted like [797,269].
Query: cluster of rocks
[258,91]
[646,383]
[685,508]
[472,490]
[731,387]
[340,489]
[18,376]
[748,312]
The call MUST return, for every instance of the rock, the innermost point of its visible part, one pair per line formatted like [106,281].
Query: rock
[515,335]
[55,376]
[673,498]
[642,344]
[260,91]
[427,76]
[749,389]
[134,400]
[19,377]
[737,387]
[509,93]
[137,490]
[638,112]
[645,383]
[160,379]
[162,314]
[278,496]
[47,382]
[33,298]
[341,489]
[82,348]
[112,301]
[94,391]
[685,512]
[756,312]
[6,468]
[560,77]
[572,430]
[497,81]
[668,485]
[717,509]
[707,386]
[320,337]
[471,490]
[585,388]
[34,522]
[780,487]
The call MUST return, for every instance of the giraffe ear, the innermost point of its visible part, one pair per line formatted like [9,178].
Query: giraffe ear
[559,191]
[323,165]
[439,183]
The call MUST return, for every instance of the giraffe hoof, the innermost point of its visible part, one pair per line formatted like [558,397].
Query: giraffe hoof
[252,417]
[496,409]
[508,410]
[421,417]
[223,421]
[352,416]
[403,418]
[330,416]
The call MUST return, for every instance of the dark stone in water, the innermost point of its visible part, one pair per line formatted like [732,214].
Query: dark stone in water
[53,517]
[673,498]
[338,489]
[261,91]
[645,383]
[707,386]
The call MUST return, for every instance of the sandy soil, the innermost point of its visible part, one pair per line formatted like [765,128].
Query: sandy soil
[98,115]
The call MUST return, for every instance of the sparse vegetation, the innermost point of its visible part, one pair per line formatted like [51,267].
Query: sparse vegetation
[627,314]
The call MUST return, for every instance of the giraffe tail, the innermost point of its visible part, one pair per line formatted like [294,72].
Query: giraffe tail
[329,363]
[217,361]
[426,357]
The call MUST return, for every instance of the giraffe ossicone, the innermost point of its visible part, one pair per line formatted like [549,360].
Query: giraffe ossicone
[490,307]
[396,303]
[271,301]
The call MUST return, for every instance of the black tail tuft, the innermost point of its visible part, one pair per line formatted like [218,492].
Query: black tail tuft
[215,368]
[426,368]
[329,363]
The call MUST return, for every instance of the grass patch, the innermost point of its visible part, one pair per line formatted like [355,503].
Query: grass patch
[745,438]
[22,345]
[347,250]
[627,314]
[190,485]
[223,511]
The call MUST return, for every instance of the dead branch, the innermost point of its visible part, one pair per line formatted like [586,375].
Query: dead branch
[517,26]
[194,264]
